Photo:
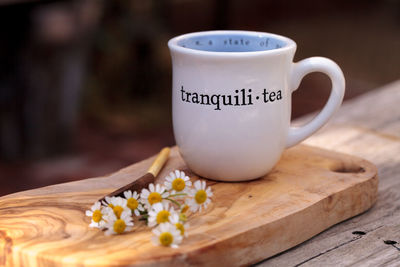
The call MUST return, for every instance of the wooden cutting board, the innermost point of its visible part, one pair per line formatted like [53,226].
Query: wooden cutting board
[307,192]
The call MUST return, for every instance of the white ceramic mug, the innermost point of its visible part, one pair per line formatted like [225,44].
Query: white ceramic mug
[231,97]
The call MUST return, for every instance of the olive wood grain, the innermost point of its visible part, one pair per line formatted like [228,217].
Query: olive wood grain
[307,192]
[369,127]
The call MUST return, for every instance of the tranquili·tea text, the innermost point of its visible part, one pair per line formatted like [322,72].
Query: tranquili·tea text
[239,97]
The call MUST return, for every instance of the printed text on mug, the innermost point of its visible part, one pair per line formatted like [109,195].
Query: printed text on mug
[242,97]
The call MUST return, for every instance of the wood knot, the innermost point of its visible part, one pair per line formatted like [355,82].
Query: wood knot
[391,243]
[359,233]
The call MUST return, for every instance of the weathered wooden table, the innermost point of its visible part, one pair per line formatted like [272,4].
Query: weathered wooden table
[47,226]
[369,127]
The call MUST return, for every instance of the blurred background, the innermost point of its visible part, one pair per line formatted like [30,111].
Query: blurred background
[85,85]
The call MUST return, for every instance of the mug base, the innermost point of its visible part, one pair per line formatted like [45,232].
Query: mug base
[229,178]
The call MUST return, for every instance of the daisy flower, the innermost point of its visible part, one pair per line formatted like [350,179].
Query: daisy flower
[119,225]
[133,202]
[177,181]
[160,213]
[199,196]
[154,195]
[118,205]
[175,220]
[107,202]
[97,214]
[167,235]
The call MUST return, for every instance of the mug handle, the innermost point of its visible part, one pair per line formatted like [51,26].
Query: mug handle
[335,74]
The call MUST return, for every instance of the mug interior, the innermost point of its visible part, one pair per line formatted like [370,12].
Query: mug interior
[232,42]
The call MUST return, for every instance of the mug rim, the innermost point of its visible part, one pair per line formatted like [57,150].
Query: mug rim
[174,46]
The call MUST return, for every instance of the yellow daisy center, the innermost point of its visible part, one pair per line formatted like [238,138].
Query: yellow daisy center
[162,216]
[200,196]
[154,197]
[96,217]
[132,203]
[118,210]
[166,238]
[111,205]
[178,184]
[180,227]
[119,226]
[185,208]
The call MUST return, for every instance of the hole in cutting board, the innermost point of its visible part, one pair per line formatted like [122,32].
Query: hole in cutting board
[351,168]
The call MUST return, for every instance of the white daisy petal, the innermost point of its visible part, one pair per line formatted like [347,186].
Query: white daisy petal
[209,192]
[96,206]
[93,225]
[152,214]
[156,231]
[107,201]
[109,232]
[128,194]
[145,191]
[158,189]
[197,185]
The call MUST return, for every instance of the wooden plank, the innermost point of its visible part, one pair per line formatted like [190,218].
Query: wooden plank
[369,127]
[245,223]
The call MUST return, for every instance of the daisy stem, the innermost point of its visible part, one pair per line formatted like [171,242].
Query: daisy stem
[174,201]
[144,217]
[143,212]
[178,194]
